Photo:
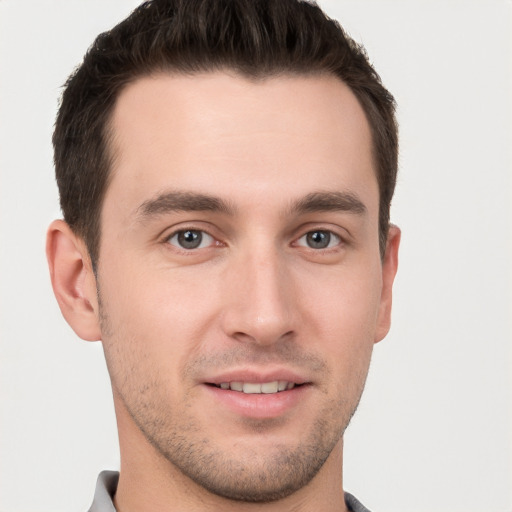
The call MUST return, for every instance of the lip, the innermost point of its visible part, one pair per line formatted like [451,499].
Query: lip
[257,376]
[258,406]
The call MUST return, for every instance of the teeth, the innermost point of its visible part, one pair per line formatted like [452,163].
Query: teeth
[256,388]
[236,386]
[251,388]
[281,386]
[270,387]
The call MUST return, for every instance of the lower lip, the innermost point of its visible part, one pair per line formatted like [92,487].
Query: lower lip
[259,405]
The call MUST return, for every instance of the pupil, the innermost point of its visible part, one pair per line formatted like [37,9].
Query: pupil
[190,239]
[318,239]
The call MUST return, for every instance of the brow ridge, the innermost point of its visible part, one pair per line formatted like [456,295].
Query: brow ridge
[179,201]
[329,201]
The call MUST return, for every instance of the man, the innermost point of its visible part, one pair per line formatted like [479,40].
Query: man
[226,170]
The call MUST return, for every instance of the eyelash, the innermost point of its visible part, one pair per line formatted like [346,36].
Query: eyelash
[327,236]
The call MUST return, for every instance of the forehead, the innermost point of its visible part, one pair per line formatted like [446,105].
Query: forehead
[223,134]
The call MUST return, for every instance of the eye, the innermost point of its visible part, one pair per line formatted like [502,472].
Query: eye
[319,239]
[190,239]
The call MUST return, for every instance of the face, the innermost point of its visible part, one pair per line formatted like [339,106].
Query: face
[240,282]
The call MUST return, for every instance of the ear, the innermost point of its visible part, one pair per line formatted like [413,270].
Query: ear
[389,268]
[73,280]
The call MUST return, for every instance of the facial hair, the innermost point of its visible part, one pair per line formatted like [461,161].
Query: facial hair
[253,475]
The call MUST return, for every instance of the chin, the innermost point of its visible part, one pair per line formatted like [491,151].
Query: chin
[257,479]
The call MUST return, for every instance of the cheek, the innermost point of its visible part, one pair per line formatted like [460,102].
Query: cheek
[346,301]
[348,346]
[158,318]
[345,314]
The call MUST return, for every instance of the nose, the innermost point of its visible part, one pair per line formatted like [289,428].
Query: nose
[260,306]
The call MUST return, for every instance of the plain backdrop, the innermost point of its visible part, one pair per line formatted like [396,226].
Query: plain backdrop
[434,429]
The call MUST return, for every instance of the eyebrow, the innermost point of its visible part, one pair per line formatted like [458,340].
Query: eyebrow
[179,201]
[176,201]
[329,202]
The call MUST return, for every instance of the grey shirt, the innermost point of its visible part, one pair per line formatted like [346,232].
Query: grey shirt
[107,485]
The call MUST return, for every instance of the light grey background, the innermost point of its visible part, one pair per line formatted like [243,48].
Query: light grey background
[434,430]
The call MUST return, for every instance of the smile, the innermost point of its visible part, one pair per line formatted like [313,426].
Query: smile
[257,396]
[275,386]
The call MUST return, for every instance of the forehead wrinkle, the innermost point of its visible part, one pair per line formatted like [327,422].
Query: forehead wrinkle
[327,201]
[183,201]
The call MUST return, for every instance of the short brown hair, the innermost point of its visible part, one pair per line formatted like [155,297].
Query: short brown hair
[256,38]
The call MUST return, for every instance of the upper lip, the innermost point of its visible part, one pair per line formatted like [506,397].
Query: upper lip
[254,375]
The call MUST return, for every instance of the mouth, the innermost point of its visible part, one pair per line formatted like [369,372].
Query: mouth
[257,396]
[255,388]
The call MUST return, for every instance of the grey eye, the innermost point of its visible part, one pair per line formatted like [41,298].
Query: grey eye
[319,239]
[191,239]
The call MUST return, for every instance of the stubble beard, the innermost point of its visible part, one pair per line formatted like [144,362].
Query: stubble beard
[253,476]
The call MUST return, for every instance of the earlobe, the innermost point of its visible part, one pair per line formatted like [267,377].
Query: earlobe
[73,280]
[389,268]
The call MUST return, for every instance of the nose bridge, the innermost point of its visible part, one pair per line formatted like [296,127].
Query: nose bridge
[260,306]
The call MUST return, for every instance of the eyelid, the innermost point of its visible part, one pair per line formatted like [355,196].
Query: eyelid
[334,228]
[205,228]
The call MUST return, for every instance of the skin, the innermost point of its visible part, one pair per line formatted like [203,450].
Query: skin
[261,170]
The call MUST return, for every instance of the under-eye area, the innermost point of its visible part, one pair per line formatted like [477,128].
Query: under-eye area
[276,386]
